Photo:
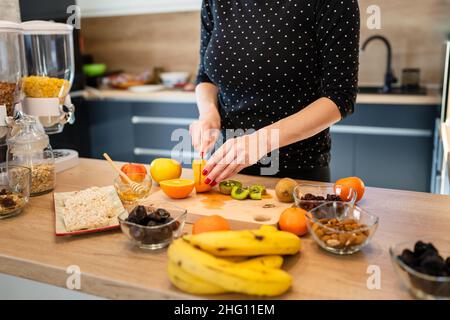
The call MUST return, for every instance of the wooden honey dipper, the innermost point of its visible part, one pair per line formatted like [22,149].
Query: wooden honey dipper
[136,187]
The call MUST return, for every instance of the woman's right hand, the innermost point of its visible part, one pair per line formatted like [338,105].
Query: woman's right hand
[204,133]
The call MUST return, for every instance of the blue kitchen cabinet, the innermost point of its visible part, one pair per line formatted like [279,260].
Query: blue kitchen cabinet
[111,129]
[389,146]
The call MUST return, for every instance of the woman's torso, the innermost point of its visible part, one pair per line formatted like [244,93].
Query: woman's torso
[264,58]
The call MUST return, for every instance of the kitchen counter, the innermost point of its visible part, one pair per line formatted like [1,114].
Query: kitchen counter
[112,268]
[189,97]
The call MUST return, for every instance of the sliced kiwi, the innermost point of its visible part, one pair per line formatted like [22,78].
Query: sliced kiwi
[239,193]
[259,187]
[226,186]
[256,195]
[256,191]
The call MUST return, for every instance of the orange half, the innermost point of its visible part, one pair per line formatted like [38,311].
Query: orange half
[177,188]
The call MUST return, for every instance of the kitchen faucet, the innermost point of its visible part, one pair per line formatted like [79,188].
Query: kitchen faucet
[389,77]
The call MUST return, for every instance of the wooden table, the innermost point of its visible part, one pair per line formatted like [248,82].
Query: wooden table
[111,267]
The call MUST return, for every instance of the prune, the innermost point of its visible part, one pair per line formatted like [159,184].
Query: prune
[138,215]
[433,265]
[175,225]
[137,233]
[163,214]
[333,197]
[408,258]
[155,217]
[421,247]
[151,223]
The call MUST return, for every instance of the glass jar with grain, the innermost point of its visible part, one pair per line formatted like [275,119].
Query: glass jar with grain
[29,146]
[11,63]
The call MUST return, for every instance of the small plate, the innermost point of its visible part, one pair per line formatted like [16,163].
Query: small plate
[146,88]
[60,228]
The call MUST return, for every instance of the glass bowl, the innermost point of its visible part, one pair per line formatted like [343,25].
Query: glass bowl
[15,182]
[159,236]
[421,285]
[127,195]
[306,189]
[341,227]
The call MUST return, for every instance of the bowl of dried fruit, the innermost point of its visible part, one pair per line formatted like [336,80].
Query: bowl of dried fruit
[309,196]
[15,184]
[424,267]
[153,226]
[341,227]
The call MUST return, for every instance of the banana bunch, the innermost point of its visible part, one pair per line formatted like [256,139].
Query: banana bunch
[266,240]
[194,270]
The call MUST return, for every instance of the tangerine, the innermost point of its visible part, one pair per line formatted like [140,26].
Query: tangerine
[210,223]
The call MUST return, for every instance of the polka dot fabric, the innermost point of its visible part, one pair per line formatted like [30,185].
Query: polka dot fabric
[270,59]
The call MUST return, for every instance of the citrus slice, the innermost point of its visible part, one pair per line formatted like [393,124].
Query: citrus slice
[177,188]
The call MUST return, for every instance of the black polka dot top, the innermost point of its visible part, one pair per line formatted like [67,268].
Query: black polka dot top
[270,59]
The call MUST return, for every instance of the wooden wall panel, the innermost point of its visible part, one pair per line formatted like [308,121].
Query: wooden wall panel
[416,28]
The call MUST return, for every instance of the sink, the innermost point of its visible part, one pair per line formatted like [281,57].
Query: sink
[379,90]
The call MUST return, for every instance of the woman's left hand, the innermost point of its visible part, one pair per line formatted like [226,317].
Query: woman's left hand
[233,156]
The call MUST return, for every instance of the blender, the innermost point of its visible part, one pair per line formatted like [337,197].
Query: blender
[11,62]
[49,59]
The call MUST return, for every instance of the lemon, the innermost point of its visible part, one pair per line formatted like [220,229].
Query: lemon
[164,169]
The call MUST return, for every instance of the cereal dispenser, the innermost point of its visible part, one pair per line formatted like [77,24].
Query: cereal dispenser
[50,71]
[11,60]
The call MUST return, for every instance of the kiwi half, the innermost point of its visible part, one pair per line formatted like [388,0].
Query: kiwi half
[239,193]
[226,186]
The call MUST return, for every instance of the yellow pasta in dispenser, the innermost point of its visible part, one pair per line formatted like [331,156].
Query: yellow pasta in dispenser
[45,87]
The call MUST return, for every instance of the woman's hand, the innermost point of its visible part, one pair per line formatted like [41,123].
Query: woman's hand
[204,133]
[233,156]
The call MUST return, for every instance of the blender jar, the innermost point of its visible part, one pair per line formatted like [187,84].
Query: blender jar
[28,146]
[50,64]
[11,63]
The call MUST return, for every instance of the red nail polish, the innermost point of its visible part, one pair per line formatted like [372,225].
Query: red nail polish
[207,180]
[204,172]
[213,184]
[201,154]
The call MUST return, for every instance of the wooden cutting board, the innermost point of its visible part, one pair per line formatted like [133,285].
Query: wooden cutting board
[250,212]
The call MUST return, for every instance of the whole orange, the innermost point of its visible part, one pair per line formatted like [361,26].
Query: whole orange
[345,184]
[165,169]
[293,220]
[210,223]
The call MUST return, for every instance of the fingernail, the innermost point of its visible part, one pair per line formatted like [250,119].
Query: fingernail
[213,183]
[207,180]
[201,154]
[204,172]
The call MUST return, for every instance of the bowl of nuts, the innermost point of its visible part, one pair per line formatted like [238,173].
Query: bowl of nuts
[309,196]
[153,226]
[341,227]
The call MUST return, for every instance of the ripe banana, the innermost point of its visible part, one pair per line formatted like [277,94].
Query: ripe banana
[246,242]
[273,262]
[189,283]
[260,281]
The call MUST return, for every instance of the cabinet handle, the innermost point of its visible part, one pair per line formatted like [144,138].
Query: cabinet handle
[164,153]
[161,120]
[381,131]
